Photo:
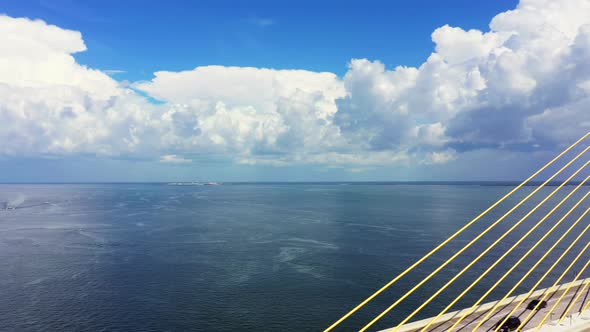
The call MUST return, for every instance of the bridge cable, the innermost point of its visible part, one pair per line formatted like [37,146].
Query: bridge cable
[475,260]
[448,261]
[453,236]
[569,286]
[545,255]
[564,292]
[514,246]
[585,308]
[478,302]
[537,283]
[482,321]
[574,301]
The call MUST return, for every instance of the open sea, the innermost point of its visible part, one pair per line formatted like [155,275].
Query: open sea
[243,257]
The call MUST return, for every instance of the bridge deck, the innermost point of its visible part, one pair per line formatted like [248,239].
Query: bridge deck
[469,323]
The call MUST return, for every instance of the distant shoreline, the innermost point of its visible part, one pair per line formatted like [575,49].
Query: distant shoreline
[353,183]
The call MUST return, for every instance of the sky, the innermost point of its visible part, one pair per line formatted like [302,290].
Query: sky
[111,91]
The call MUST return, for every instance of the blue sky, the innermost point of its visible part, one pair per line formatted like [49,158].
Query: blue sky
[104,90]
[141,37]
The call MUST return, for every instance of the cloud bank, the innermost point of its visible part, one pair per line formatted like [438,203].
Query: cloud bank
[523,86]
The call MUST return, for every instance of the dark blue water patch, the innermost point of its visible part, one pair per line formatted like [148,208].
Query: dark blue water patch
[263,257]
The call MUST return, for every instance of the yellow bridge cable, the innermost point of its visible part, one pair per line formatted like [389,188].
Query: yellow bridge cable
[514,246]
[473,261]
[450,238]
[563,294]
[448,261]
[537,283]
[585,307]
[574,301]
[555,287]
[478,302]
[545,255]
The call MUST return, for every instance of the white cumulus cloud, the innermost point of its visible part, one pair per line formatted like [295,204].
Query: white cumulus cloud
[522,85]
[499,88]
[248,112]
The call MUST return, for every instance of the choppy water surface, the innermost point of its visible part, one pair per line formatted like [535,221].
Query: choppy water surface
[264,257]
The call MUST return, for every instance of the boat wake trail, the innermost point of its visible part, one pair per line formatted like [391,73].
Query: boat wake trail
[14,203]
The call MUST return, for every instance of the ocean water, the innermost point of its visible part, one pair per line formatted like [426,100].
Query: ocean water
[244,257]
